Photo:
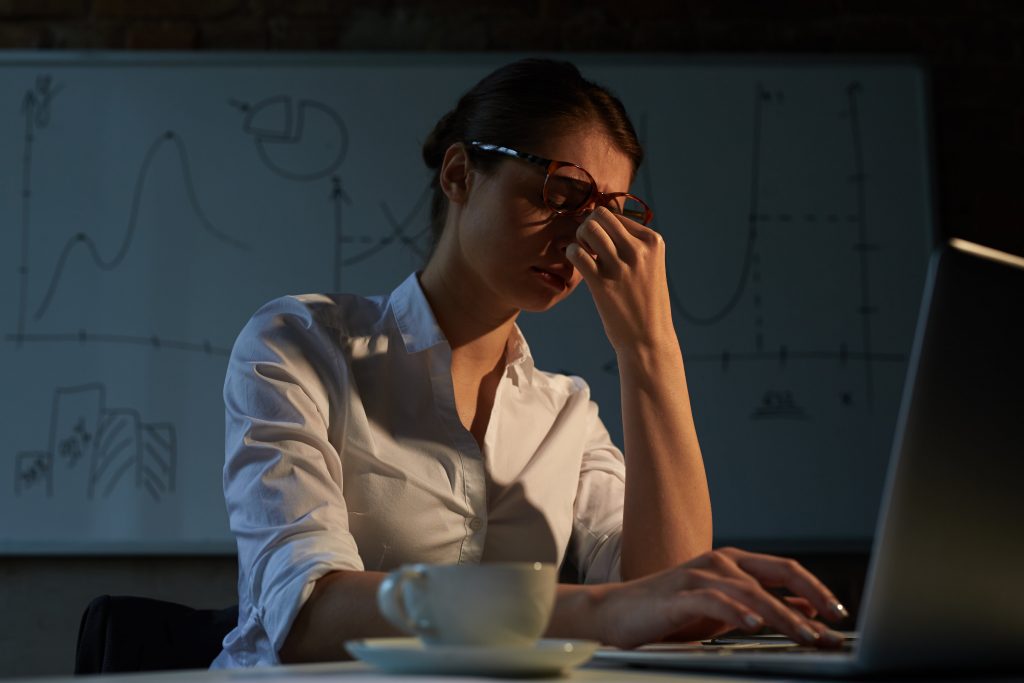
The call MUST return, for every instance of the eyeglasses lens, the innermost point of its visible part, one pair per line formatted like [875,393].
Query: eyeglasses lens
[568,188]
[630,208]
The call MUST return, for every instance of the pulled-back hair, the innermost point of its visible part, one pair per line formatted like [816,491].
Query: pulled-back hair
[520,105]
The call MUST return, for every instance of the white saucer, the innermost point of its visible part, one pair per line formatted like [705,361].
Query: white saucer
[410,655]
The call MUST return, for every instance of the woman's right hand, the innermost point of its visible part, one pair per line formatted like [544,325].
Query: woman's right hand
[719,591]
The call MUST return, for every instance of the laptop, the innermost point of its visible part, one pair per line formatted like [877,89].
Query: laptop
[945,587]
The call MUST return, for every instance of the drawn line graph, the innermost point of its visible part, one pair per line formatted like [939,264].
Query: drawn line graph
[749,282]
[853,90]
[107,264]
[781,356]
[297,139]
[154,341]
[744,278]
[399,228]
[35,107]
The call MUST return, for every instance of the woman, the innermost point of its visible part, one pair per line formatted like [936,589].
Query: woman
[365,433]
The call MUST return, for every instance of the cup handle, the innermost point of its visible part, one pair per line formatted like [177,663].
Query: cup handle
[391,602]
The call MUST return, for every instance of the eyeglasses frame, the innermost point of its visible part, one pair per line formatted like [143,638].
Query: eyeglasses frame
[550,166]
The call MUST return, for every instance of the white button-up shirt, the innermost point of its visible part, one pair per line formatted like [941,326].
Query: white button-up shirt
[345,452]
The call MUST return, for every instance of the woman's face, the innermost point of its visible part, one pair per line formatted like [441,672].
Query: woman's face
[514,244]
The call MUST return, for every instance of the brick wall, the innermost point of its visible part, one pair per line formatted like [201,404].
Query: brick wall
[975,51]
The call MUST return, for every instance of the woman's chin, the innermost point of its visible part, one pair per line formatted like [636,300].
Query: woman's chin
[544,301]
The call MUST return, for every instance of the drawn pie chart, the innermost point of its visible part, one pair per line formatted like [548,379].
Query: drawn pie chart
[300,140]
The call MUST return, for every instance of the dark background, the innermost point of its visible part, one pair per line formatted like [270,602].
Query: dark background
[973,52]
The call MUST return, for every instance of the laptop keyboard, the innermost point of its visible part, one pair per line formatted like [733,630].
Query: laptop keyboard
[768,644]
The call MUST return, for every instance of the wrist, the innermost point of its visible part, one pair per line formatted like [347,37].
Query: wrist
[653,355]
[598,609]
[579,612]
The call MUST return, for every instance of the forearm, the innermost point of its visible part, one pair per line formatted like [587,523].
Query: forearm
[575,612]
[667,514]
[343,606]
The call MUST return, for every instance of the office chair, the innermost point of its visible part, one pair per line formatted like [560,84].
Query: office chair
[124,633]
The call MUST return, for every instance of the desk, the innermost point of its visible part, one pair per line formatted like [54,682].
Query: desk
[355,672]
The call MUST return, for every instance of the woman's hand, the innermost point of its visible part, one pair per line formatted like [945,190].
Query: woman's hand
[623,264]
[716,592]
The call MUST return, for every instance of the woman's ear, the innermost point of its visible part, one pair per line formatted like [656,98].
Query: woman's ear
[455,173]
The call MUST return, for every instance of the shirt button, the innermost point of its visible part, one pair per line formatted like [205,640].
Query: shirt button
[476,524]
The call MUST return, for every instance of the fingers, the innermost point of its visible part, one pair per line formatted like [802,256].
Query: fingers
[582,260]
[613,239]
[595,235]
[826,637]
[624,240]
[740,575]
[801,605]
[631,228]
[690,615]
[717,605]
[774,571]
[602,243]
[755,598]
[702,598]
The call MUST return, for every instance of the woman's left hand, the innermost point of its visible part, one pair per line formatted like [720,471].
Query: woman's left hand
[623,264]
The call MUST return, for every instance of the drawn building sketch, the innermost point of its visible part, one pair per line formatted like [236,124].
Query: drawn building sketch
[101,449]
[33,469]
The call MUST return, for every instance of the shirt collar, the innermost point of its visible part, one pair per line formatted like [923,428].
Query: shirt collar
[420,330]
[415,318]
[518,359]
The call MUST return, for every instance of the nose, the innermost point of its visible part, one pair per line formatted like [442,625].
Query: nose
[591,206]
[565,226]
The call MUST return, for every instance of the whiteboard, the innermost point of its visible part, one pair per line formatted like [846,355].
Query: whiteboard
[152,202]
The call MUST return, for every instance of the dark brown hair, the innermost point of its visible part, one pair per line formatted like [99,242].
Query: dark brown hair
[519,105]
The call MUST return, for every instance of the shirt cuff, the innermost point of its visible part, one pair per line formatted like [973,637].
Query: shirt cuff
[281,602]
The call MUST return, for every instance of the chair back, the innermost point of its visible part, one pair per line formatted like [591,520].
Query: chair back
[126,633]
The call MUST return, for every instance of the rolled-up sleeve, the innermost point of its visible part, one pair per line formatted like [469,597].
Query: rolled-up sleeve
[284,396]
[597,512]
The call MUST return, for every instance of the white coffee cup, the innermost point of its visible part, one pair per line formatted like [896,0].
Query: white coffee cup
[499,604]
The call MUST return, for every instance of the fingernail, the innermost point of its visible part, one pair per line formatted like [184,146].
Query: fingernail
[840,610]
[808,634]
[833,638]
[753,621]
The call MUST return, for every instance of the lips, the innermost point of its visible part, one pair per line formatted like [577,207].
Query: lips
[557,278]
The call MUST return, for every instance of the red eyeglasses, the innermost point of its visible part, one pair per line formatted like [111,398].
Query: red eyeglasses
[569,189]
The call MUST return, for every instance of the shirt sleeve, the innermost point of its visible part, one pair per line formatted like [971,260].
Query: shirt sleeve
[597,512]
[283,396]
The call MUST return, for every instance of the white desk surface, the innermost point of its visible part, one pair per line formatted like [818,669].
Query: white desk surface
[355,672]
